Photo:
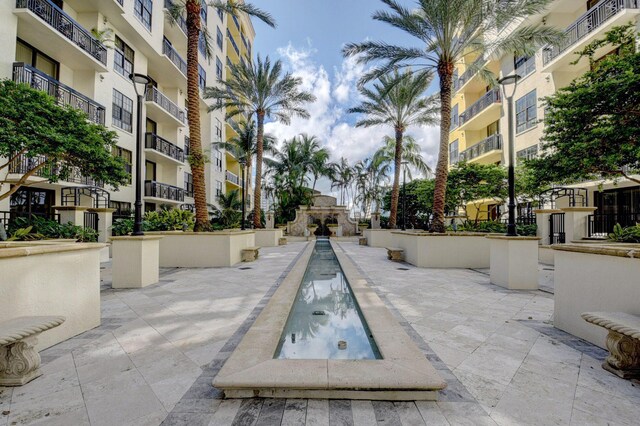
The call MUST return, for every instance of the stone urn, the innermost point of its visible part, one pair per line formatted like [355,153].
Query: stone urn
[362,227]
[333,229]
[312,229]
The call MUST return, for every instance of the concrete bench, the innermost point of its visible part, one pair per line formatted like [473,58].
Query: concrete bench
[395,254]
[282,241]
[250,254]
[19,361]
[623,341]
[362,241]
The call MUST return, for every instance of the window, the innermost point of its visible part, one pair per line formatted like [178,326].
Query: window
[142,10]
[527,153]
[220,14]
[122,111]
[453,152]
[219,38]
[218,188]
[123,57]
[127,156]
[454,117]
[217,157]
[218,69]
[526,112]
[123,209]
[524,65]
[150,170]
[493,128]
[218,130]
[32,56]
[202,44]
[203,11]
[202,77]
[188,184]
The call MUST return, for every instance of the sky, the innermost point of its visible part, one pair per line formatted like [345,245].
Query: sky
[309,39]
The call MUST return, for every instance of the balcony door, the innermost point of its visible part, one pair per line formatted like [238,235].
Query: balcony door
[152,127]
[36,201]
[150,170]
[35,58]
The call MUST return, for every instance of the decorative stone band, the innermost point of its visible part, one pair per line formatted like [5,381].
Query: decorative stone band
[620,322]
[630,251]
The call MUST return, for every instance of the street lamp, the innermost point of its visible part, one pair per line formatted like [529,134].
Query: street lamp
[509,84]
[243,163]
[404,195]
[141,84]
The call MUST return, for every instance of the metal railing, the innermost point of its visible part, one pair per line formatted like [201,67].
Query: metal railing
[492,143]
[24,164]
[489,98]
[66,26]
[91,220]
[181,22]
[233,42]
[234,178]
[157,97]
[7,217]
[64,95]
[601,225]
[172,54]
[467,75]
[162,190]
[587,24]
[163,146]
[556,228]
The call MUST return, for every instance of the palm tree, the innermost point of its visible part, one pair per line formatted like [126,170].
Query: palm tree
[342,177]
[195,30]
[411,153]
[243,146]
[230,213]
[397,100]
[315,157]
[446,32]
[261,89]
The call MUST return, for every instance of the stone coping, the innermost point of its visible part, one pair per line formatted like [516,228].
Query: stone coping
[403,374]
[101,210]
[144,237]
[446,234]
[629,251]
[579,209]
[201,234]
[71,208]
[516,238]
[542,211]
[9,252]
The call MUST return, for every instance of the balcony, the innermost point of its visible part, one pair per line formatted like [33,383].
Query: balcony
[162,109]
[172,54]
[23,164]
[491,144]
[65,95]
[158,145]
[87,51]
[163,192]
[482,112]
[181,23]
[594,22]
[233,42]
[234,179]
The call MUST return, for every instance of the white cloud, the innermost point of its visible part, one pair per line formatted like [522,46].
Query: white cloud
[329,119]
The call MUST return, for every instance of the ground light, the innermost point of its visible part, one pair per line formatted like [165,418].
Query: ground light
[141,84]
[509,84]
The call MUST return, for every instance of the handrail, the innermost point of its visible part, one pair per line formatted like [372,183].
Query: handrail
[489,144]
[163,146]
[489,98]
[163,190]
[172,54]
[156,96]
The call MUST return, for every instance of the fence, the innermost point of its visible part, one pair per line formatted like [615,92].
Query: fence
[556,228]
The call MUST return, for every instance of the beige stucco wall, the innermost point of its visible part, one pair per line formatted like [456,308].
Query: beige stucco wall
[461,250]
[52,280]
[378,237]
[514,262]
[203,250]
[267,237]
[587,282]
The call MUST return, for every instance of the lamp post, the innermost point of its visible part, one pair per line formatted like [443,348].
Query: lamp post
[404,195]
[509,84]
[141,85]
[243,163]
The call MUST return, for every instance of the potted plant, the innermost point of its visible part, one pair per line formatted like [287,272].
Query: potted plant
[362,226]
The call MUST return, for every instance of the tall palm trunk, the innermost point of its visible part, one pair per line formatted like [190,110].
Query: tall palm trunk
[258,190]
[395,192]
[247,178]
[196,158]
[445,73]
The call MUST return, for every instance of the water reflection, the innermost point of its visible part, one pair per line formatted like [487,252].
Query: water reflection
[325,322]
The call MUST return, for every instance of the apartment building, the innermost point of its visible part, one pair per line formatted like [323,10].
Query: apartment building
[50,44]
[479,124]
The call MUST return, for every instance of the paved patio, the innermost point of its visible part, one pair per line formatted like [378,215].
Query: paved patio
[154,356]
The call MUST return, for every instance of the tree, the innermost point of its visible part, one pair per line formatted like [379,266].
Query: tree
[447,31]
[397,100]
[261,89]
[473,183]
[51,141]
[230,213]
[370,181]
[196,33]
[411,153]
[592,127]
[342,177]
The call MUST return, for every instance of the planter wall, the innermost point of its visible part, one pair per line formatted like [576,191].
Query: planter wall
[545,255]
[267,237]
[453,250]
[592,278]
[378,237]
[50,279]
[203,249]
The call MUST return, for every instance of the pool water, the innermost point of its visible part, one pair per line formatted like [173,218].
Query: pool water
[325,321]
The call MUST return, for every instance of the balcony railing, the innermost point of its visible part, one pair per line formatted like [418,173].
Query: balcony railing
[489,98]
[162,190]
[66,26]
[233,178]
[163,146]
[65,95]
[157,97]
[587,24]
[601,225]
[24,164]
[489,144]
[467,75]
[172,54]
[181,22]
[233,42]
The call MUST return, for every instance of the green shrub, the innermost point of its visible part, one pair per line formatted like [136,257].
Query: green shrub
[161,220]
[41,228]
[495,227]
[630,234]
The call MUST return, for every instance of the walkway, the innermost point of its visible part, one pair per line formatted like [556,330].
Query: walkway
[153,358]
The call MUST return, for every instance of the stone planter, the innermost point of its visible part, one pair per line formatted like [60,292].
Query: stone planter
[380,238]
[514,262]
[268,237]
[449,250]
[203,249]
[594,278]
[333,229]
[52,279]
[312,230]
[135,261]
[362,228]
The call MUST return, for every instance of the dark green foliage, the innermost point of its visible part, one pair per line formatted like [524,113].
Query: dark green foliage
[629,234]
[494,227]
[40,228]
[161,220]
